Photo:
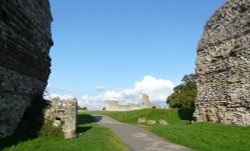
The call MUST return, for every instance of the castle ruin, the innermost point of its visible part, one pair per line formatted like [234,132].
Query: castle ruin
[223,66]
[25,40]
[114,106]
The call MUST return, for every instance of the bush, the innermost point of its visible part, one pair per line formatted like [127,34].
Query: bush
[184,94]
[49,130]
[82,108]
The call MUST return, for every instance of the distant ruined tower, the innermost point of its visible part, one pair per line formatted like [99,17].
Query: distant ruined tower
[25,40]
[223,66]
[145,99]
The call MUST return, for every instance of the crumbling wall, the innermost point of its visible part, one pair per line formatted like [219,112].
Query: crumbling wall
[25,40]
[62,114]
[111,105]
[114,106]
[223,66]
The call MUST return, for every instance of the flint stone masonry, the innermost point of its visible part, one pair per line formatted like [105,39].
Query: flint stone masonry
[223,66]
[25,40]
[111,105]
[63,113]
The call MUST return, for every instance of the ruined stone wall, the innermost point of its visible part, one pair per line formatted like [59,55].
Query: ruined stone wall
[223,66]
[63,114]
[25,41]
[114,106]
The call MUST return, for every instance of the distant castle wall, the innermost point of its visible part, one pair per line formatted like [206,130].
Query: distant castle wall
[111,105]
[223,66]
[25,40]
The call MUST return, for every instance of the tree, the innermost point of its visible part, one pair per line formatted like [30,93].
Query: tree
[82,108]
[184,95]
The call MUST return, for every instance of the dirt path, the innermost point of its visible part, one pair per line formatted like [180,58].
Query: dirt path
[137,138]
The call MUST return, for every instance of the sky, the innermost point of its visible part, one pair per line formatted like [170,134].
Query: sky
[119,49]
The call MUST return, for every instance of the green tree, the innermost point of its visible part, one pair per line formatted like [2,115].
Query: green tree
[82,108]
[184,95]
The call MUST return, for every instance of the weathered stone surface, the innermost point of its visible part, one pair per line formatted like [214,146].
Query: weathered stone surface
[141,120]
[63,113]
[151,122]
[111,105]
[223,66]
[163,122]
[25,41]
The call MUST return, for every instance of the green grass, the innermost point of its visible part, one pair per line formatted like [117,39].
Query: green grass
[92,138]
[199,136]
[207,136]
[173,116]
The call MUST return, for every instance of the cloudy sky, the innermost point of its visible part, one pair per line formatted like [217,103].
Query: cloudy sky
[118,49]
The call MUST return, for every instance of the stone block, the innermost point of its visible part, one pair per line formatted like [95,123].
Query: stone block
[141,120]
[151,122]
[163,122]
[63,113]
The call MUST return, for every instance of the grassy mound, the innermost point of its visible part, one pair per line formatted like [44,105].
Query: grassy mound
[199,136]
[173,116]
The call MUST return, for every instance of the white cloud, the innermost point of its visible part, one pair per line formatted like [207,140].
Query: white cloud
[53,91]
[157,89]
[59,89]
[62,97]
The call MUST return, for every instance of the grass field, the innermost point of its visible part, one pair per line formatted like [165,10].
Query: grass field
[93,138]
[199,136]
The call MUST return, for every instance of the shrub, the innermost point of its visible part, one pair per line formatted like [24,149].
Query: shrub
[184,94]
[49,129]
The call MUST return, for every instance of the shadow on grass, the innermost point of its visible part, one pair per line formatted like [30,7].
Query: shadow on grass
[82,129]
[83,119]
[33,121]
[30,125]
[97,118]
[186,114]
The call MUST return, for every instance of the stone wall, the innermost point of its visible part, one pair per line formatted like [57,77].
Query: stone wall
[63,114]
[223,66]
[25,40]
[111,105]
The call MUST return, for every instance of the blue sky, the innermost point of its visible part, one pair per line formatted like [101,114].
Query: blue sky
[121,46]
